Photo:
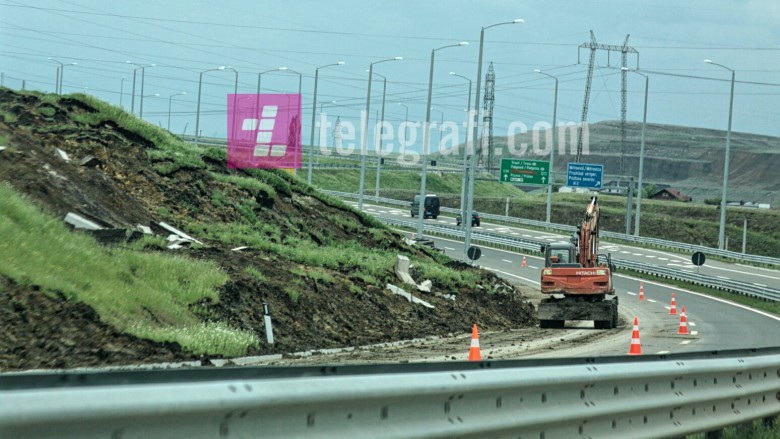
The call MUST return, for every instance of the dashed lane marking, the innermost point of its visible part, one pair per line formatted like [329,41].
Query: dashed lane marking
[685,342]
[507,260]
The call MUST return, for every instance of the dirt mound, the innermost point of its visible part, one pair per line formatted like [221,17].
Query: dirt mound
[132,180]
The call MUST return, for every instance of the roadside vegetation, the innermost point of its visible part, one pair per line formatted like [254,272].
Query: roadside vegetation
[674,221]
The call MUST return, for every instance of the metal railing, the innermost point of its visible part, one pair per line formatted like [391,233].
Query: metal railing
[617,397]
[504,241]
[655,242]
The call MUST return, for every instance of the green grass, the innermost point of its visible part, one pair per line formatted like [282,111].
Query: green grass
[253,185]
[257,274]
[757,430]
[145,294]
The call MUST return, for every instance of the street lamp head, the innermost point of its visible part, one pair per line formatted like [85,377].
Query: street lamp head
[537,71]
[624,69]
[708,61]
[518,20]
[398,58]
[221,68]
[340,63]
[282,68]
[74,63]
[463,43]
[453,73]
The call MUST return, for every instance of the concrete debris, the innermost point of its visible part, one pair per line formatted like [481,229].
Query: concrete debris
[400,292]
[177,232]
[63,155]
[90,161]
[79,222]
[446,296]
[402,265]
[144,229]
[2,148]
[425,286]
[238,249]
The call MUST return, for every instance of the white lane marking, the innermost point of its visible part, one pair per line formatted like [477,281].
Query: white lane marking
[694,332]
[370,209]
[717,299]
[636,254]
[691,324]
[514,233]
[685,342]
[668,307]
[623,251]
[629,292]
[447,248]
[510,274]
[722,277]
[649,256]
[662,352]
[507,260]
[527,236]
[663,259]
[757,268]
[760,285]
[651,301]
[776,277]
[531,266]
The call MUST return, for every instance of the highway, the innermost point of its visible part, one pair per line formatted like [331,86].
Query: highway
[757,275]
[713,323]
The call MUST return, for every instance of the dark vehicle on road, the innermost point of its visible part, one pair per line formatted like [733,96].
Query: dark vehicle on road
[474,219]
[431,209]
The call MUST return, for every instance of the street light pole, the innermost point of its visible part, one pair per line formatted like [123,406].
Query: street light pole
[465,152]
[467,218]
[427,139]
[57,76]
[197,111]
[143,74]
[640,193]
[313,120]
[381,129]
[169,107]
[364,145]
[552,150]
[722,233]
[121,91]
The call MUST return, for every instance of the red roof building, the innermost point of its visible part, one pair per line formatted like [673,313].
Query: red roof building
[670,194]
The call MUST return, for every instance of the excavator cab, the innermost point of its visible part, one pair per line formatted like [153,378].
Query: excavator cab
[560,254]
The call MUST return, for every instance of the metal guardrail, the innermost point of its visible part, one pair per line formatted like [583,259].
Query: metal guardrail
[678,246]
[510,242]
[614,397]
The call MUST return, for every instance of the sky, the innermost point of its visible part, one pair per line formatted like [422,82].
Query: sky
[185,38]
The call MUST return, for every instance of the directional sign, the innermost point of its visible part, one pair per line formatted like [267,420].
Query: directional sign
[584,175]
[525,171]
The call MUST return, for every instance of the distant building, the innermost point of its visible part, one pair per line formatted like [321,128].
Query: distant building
[670,194]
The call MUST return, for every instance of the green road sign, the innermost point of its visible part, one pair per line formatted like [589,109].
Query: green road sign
[525,171]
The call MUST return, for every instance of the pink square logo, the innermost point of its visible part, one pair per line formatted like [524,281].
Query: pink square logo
[264,131]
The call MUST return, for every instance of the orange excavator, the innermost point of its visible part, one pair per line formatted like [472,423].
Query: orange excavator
[577,284]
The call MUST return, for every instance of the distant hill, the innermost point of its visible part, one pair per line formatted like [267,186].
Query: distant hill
[686,158]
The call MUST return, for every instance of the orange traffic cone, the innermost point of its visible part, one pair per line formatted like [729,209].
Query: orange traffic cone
[641,291]
[673,309]
[683,323]
[474,354]
[524,264]
[636,346]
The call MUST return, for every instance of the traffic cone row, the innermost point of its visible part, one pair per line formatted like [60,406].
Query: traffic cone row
[673,309]
[474,354]
[641,291]
[636,346]
[524,264]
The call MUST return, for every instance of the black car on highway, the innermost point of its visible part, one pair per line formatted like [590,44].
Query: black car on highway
[474,219]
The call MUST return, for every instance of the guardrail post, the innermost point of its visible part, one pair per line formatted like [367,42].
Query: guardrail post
[507,207]
[269,330]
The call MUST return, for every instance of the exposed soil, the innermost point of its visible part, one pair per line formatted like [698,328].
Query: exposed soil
[127,187]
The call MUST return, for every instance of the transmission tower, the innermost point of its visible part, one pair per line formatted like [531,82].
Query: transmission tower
[625,49]
[487,120]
